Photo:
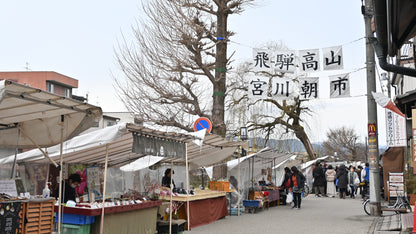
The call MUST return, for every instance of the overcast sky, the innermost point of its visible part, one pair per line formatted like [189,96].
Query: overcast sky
[77,38]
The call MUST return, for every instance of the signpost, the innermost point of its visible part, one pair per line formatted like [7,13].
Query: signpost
[203,123]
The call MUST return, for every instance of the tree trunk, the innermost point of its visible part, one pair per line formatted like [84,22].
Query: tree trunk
[219,86]
[303,137]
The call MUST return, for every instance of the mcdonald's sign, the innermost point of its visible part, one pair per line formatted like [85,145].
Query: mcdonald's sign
[372,130]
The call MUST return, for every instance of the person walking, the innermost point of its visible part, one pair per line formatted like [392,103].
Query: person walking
[319,180]
[342,176]
[365,178]
[286,181]
[353,181]
[297,185]
[330,181]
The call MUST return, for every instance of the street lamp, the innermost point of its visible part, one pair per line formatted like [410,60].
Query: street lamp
[243,133]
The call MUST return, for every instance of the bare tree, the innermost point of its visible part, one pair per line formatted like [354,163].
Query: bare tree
[274,117]
[344,141]
[175,70]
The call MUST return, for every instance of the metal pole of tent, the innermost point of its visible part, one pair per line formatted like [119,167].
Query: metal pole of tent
[15,155]
[274,171]
[252,173]
[105,183]
[249,169]
[171,191]
[187,186]
[61,162]
[238,185]
[44,153]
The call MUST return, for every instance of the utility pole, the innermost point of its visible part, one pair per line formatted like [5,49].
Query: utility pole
[373,155]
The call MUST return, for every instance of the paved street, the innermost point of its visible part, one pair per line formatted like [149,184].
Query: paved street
[318,215]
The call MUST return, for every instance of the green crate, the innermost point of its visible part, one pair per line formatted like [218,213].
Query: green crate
[75,229]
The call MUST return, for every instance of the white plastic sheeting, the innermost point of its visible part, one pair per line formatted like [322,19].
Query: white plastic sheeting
[78,143]
[141,163]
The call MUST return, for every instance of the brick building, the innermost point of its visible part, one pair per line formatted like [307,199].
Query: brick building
[50,81]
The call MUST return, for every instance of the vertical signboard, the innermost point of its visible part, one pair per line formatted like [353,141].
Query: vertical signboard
[396,129]
[372,143]
[414,140]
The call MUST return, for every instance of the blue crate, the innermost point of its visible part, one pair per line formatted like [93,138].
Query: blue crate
[251,203]
[233,211]
[76,219]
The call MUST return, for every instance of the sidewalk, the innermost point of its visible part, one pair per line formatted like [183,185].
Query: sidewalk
[394,223]
[317,215]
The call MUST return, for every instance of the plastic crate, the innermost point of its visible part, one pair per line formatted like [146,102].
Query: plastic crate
[75,219]
[233,211]
[251,203]
[75,229]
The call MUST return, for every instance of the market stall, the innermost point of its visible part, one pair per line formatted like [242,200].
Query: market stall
[260,181]
[31,118]
[122,144]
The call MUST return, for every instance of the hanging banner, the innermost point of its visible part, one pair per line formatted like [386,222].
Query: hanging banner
[414,139]
[333,58]
[396,129]
[257,87]
[94,180]
[158,147]
[308,88]
[309,60]
[284,88]
[261,59]
[10,219]
[284,61]
[339,86]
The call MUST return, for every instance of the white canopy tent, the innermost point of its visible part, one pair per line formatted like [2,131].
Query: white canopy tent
[37,114]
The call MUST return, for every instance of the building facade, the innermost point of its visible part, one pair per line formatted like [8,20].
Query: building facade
[49,81]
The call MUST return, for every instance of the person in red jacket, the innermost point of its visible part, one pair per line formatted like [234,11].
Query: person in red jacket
[297,185]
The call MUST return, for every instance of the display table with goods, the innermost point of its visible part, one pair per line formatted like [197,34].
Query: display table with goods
[273,196]
[205,206]
[120,216]
[26,215]
[261,199]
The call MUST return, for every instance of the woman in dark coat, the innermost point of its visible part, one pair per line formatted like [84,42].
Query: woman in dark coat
[319,180]
[342,176]
[286,180]
[167,178]
[297,183]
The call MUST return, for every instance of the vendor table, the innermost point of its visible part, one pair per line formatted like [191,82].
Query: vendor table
[135,218]
[205,207]
[273,197]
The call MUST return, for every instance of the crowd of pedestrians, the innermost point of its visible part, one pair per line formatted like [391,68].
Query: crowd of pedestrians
[329,181]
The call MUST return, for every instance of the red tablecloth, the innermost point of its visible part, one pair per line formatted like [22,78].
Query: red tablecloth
[273,195]
[206,211]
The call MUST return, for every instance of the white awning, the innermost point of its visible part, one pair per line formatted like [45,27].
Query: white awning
[39,114]
[90,148]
